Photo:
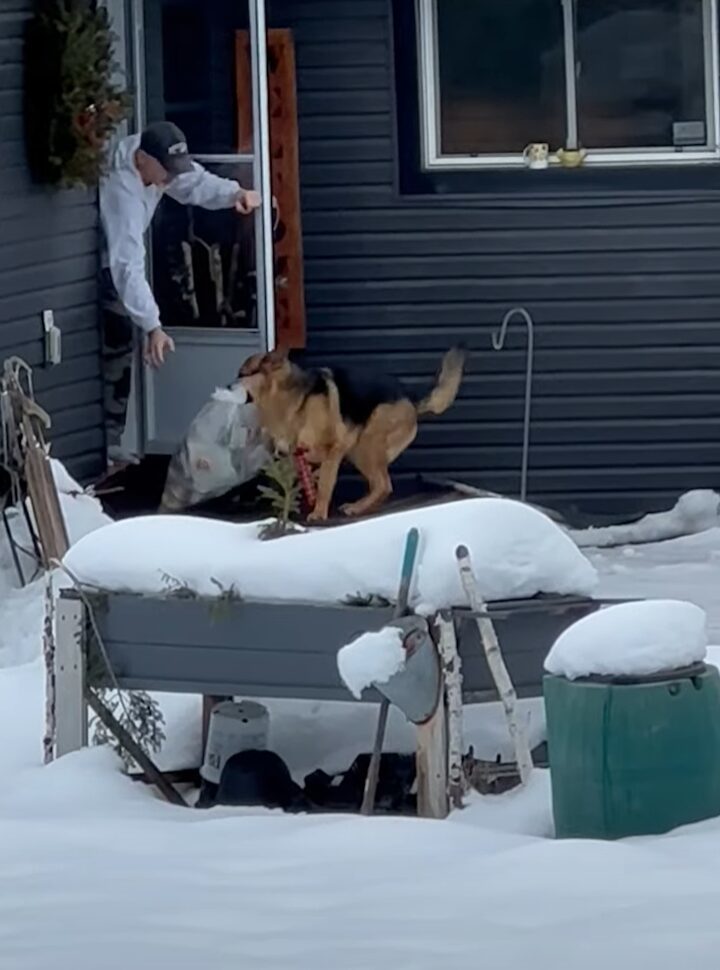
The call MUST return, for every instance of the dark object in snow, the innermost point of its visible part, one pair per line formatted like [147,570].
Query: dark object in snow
[344,791]
[254,777]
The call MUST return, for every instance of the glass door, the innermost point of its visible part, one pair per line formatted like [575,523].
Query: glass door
[211,270]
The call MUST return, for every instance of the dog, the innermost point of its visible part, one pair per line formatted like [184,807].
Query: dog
[343,414]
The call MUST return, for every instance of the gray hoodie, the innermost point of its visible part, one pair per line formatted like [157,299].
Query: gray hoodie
[126,210]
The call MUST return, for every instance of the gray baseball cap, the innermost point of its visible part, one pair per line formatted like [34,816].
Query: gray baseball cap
[165,142]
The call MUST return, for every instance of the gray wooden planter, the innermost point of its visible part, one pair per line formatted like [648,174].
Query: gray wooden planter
[268,649]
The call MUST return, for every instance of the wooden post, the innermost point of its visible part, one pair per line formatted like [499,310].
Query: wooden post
[452,674]
[431,764]
[71,727]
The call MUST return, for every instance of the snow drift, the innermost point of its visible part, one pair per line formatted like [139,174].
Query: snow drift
[694,512]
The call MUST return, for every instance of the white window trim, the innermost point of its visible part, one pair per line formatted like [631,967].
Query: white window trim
[429,86]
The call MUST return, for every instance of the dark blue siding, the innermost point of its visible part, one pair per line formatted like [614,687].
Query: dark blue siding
[48,260]
[625,294]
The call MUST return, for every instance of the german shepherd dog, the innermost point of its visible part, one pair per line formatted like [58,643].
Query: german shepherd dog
[336,414]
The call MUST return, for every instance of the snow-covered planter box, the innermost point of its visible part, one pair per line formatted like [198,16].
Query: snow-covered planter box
[196,605]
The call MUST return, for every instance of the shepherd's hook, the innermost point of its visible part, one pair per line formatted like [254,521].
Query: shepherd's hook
[498,342]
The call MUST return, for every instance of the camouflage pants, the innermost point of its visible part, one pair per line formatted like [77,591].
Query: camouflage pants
[117,352]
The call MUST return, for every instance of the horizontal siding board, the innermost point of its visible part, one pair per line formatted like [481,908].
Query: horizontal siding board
[384,212]
[345,127]
[72,394]
[461,316]
[441,290]
[343,79]
[599,430]
[346,51]
[557,363]
[493,242]
[332,102]
[79,246]
[67,269]
[581,335]
[61,297]
[697,261]
[345,150]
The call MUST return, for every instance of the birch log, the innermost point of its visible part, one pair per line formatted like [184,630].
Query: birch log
[49,658]
[447,647]
[496,664]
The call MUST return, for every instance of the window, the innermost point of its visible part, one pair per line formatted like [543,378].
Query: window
[623,81]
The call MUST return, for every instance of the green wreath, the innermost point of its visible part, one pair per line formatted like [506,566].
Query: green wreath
[73,104]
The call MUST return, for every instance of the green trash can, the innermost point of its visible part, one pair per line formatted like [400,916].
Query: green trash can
[633,757]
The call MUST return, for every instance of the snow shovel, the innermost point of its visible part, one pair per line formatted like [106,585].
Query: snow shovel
[408,564]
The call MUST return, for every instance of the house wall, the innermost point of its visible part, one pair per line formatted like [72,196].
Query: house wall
[619,273]
[48,260]
[623,287]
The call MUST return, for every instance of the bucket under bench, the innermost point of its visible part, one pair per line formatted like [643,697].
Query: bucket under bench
[227,646]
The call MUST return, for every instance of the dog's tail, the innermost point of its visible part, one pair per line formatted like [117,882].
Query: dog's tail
[447,383]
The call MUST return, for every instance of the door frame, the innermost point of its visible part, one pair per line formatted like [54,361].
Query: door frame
[128,17]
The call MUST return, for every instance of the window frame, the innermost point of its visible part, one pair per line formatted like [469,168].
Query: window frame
[432,158]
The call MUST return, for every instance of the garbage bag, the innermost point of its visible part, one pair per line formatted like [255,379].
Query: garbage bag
[224,447]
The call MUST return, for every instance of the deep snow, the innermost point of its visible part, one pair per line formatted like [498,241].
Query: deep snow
[98,872]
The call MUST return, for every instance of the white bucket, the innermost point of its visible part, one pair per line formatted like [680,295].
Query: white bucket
[233,727]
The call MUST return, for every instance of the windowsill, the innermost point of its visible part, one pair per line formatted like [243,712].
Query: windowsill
[614,160]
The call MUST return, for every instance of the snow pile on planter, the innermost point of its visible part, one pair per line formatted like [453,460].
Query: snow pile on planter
[695,511]
[631,640]
[517,552]
[372,658]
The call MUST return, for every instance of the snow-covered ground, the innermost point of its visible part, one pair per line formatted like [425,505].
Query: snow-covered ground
[95,871]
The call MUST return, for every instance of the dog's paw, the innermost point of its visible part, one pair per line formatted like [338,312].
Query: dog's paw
[350,509]
[317,515]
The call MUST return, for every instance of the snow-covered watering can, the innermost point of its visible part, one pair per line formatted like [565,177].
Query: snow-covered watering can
[414,689]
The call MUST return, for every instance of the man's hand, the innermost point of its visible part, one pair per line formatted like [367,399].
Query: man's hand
[247,201]
[157,344]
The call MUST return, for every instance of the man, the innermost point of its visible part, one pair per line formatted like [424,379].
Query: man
[142,169]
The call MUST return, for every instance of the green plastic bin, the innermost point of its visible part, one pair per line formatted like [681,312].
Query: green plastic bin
[633,757]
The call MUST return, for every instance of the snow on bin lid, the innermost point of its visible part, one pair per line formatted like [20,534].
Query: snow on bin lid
[631,640]
[517,552]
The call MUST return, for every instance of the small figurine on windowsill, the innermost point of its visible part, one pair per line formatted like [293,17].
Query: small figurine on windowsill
[571,157]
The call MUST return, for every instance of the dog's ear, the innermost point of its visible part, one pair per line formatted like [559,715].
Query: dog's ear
[274,359]
[251,365]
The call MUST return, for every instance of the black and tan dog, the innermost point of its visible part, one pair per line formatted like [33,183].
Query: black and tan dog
[336,414]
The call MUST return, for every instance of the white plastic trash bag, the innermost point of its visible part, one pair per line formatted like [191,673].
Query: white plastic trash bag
[223,448]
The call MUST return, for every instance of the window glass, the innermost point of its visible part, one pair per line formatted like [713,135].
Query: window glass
[192,71]
[641,73]
[501,75]
[203,261]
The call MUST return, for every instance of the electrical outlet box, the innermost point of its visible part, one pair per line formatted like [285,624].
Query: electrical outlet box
[53,339]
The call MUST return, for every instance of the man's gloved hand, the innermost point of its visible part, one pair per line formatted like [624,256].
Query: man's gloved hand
[247,200]
[157,344]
